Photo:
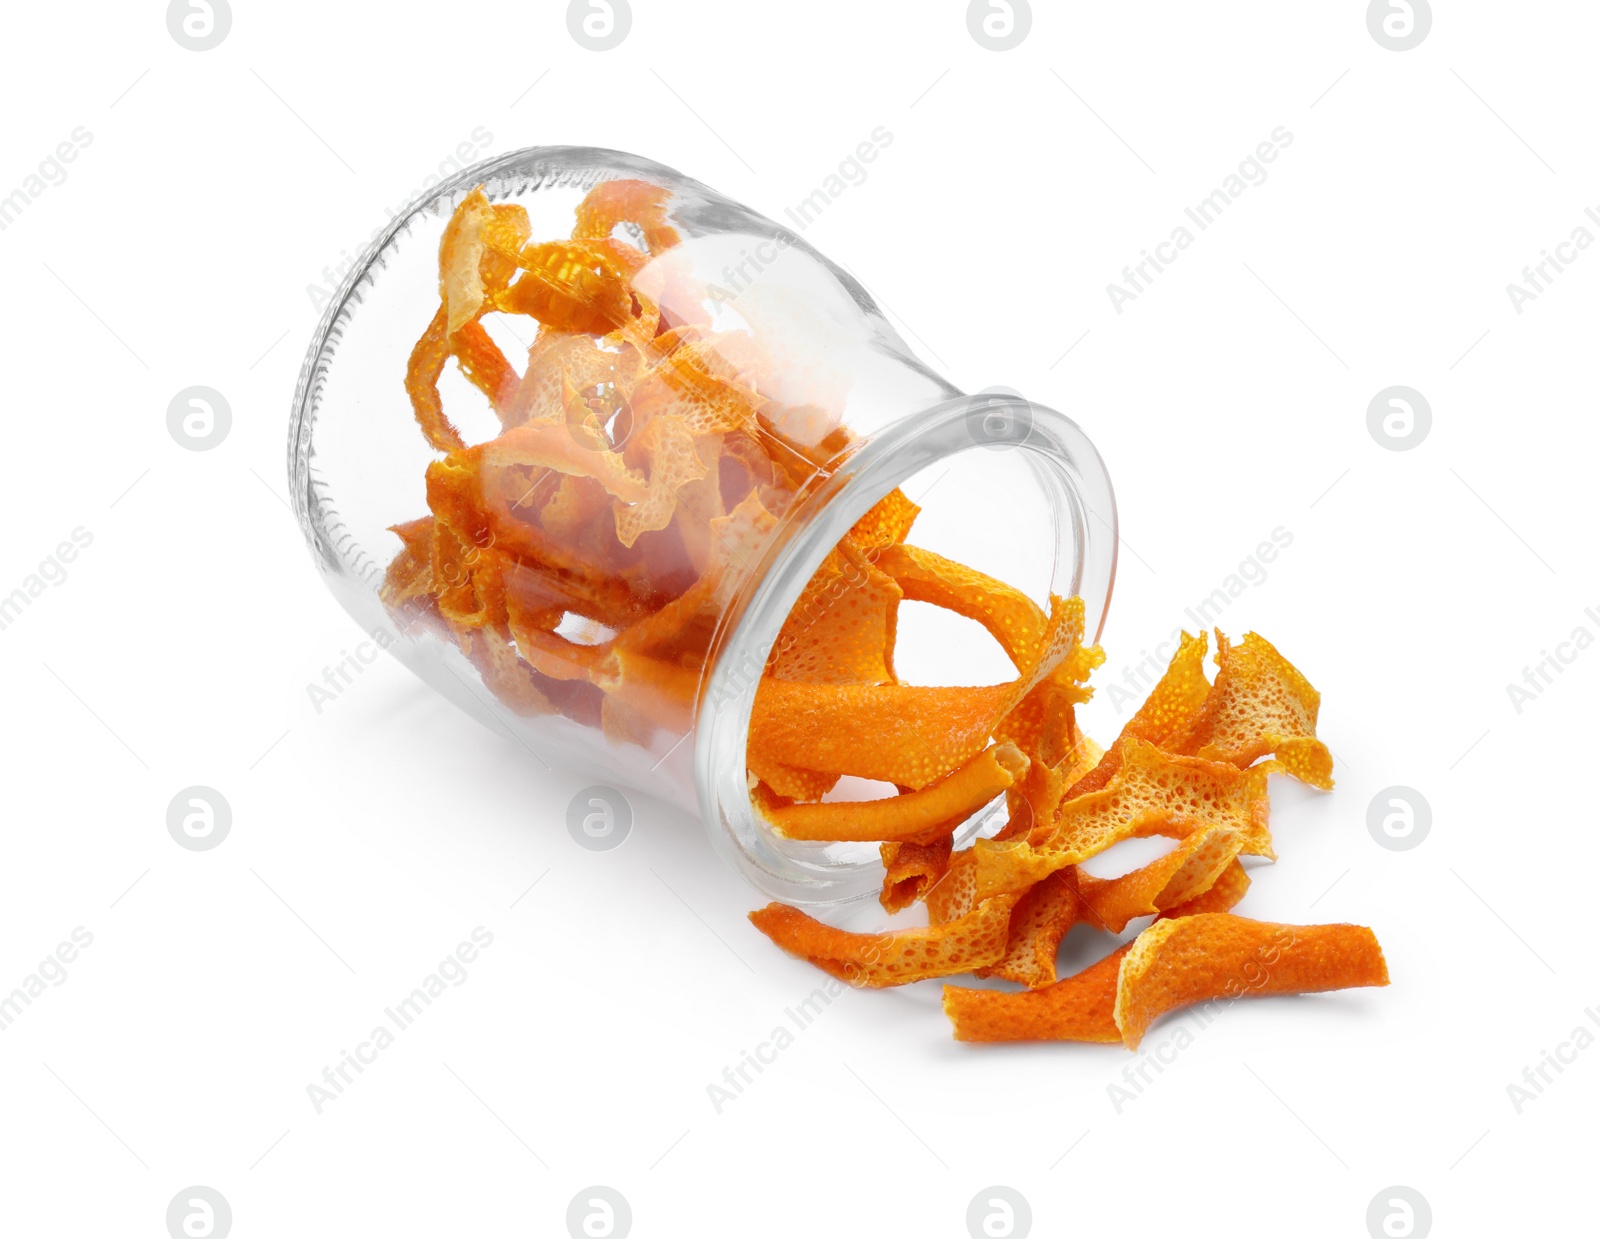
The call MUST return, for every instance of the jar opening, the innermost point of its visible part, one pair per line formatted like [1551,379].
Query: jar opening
[1007,487]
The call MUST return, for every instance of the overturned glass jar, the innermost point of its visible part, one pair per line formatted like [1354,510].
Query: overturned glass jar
[580,433]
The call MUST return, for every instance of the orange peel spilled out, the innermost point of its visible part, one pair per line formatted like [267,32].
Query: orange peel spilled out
[895,957]
[1077,1008]
[956,892]
[1261,704]
[1172,964]
[1223,895]
[1218,955]
[589,558]
[1167,715]
[1157,793]
[910,869]
[1183,874]
[1038,923]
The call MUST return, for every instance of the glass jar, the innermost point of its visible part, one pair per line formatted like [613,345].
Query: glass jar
[596,552]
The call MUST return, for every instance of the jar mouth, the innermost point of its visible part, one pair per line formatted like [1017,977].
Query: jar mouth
[1072,474]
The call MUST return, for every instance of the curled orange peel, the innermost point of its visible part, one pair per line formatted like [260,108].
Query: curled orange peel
[914,817]
[886,523]
[1040,920]
[842,628]
[909,735]
[1185,873]
[791,782]
[423,369]
[1223,895]
[504,674]
[634,202]
[895,957]
[1172,964]
[1156,793]
[1011,617]
[955,893]
[549,445]
[485,366]
[1038,794]
[1078,1008]
[673,463]
[1166,716]
[910,869]
[584,558]
[409,575]
[461,251]
[1261,704]
[1191,959]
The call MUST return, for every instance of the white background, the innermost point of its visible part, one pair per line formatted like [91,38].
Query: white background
[372,837]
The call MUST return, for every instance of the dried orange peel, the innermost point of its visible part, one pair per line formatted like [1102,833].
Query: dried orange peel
[1214,955]
[1261,704]
[909,735]
[1040,920]
[1187,766]
[912,817]
[1079,1008]
[911,869]
[1185,873]
[1173,964]
[896,957]
[584,558]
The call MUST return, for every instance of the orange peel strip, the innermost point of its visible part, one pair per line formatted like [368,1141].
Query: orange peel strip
[1016,621]
[1038,923]
[886,523]
[1038,794]
[912,817]
[410,573]
[486,366]
[1183,874]
[505,675]
[910,869]
[1154,793]
[1167,715]
[1222,896]
[663,693]
[1079,1008]
[627,202]
[1175,963]
[576,286]
[423,369]
[842,629]
[673,463]
[792,781]
[896,957]
[1261,704]
[552,445]
[904,734]
[956,893]
[693,382]
[1160,793]
[556,360]
[461,250]
[686,623]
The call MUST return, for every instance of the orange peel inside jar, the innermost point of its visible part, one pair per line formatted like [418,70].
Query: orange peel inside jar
[582,557]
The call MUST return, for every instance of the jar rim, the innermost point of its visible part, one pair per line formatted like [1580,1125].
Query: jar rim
[1066,463]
